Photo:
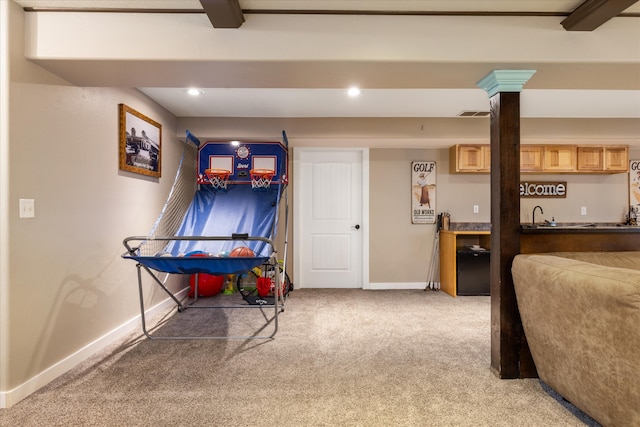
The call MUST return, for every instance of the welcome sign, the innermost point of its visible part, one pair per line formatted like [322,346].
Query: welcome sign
[543,189]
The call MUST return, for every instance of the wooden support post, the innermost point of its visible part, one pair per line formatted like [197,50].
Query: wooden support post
[223,13]
[509,354]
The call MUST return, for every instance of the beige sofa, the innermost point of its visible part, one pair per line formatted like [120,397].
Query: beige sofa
[581,316]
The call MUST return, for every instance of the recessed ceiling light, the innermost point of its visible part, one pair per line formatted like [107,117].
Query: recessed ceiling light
[353,91]
[194,91]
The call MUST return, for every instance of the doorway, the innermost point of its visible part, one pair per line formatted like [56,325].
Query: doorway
[331,241]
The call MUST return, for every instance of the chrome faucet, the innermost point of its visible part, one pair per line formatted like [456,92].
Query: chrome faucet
[533,219]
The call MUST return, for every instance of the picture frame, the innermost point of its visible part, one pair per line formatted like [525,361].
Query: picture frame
[423,191]
[634,189]
[140,143]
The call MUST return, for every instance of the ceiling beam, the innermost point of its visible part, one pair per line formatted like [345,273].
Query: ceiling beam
[223,13]
[593,13]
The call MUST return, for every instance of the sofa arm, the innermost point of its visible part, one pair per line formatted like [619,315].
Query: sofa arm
[582,323]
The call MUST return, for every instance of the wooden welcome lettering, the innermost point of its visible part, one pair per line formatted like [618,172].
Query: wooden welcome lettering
[543,189]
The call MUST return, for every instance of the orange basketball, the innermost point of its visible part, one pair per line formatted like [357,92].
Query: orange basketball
[242,251]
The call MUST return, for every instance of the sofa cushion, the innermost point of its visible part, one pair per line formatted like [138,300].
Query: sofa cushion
[623,259]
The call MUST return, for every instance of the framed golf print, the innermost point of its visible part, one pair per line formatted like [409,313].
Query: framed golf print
[423,192]
[634,188]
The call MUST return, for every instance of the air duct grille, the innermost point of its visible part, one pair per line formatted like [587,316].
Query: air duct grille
[473,114]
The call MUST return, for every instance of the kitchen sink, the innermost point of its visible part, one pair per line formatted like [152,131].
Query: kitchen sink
[558,227]
[568,226]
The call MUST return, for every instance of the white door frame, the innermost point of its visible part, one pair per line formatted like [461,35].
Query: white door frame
[297,195]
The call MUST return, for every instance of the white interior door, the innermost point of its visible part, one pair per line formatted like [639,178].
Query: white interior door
[330,220]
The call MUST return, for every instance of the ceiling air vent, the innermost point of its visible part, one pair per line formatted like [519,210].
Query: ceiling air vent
[473,114]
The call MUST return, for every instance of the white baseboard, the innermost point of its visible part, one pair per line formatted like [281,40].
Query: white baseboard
[395,285]
[11,397]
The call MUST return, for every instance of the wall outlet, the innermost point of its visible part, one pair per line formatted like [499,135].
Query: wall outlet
[27,208]
[583,210]
[476,208]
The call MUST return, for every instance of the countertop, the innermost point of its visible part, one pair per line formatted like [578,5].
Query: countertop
[579,228]
[469,226]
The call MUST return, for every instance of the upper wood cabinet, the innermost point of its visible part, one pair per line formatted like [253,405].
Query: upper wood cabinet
[616,159]
[591,158]
[603,159]
[584,159]
[531,158]
[559,158]
[469,158]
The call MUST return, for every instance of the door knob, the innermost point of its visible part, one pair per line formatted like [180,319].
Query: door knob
[357,226]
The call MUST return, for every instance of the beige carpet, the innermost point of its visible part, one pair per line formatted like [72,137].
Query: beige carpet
[340,358]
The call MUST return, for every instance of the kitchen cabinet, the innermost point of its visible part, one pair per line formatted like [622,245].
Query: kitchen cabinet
[616,159]
[531,158]
[470,158]
[591,158]
[545,159]
[581,239]
[450,242]
[559,158]
[603,159]
[533,240]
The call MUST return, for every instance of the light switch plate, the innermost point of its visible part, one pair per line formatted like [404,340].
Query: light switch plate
[27,208]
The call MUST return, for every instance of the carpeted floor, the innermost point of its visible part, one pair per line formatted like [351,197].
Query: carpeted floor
[340,358]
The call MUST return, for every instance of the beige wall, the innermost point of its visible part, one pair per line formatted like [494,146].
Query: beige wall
[4,189]
[68,285]
[401,251]
[606,198]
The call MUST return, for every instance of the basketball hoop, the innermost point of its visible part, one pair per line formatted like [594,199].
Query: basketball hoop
[261,178]
[218,178]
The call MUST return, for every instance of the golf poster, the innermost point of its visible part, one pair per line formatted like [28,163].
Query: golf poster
[634,186]
[423,192]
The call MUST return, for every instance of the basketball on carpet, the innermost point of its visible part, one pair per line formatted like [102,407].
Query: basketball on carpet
[242,251]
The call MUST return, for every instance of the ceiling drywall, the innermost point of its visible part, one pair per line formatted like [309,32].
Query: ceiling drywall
[589,76]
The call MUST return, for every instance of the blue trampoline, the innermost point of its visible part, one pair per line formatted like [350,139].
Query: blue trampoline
[236,190]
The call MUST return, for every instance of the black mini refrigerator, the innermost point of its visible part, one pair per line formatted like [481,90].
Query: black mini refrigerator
[473,272]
